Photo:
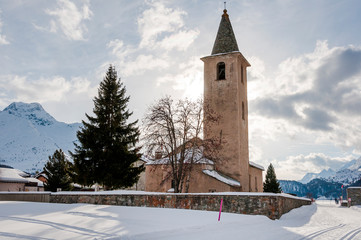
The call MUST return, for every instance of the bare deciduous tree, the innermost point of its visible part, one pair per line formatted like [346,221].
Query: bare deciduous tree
[177,129]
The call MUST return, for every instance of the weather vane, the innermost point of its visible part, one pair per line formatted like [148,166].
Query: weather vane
[225,5]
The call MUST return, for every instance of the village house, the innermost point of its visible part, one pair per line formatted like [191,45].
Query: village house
[14,180]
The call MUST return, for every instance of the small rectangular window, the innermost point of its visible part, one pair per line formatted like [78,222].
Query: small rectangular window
[255,184]
[243,110]
[221,71]
[241,74]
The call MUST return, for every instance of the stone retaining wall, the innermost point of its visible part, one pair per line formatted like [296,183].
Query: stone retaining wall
[271,205]
[355,194]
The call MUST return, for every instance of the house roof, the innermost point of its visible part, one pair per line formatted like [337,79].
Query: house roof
[255,165]
[145,159]
[225,40]
[198,158]
[11,175]
[223,178]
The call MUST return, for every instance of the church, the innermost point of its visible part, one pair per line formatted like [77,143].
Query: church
[225,93]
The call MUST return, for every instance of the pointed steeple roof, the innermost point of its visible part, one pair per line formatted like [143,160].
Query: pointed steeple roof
[225,40]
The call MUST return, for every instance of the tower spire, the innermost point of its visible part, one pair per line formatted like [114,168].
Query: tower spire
[225,41]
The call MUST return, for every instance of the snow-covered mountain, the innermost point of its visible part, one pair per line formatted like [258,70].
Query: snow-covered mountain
[308,178]
[316,188]
[347,174]
[29,135]
[324,174]
[327,183]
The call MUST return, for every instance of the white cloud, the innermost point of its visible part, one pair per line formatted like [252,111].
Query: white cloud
[54,89]
[179,41]
[143,63]
[161,30]
[190,80]
[315,93]
[158,20]
[133,64]
[162,27]
[295,167]
[117,47]
[3,40]
[69,19]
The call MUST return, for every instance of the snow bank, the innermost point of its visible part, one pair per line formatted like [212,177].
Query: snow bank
[323,220]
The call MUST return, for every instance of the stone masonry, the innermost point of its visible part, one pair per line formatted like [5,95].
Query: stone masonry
[355,194]
[270,205]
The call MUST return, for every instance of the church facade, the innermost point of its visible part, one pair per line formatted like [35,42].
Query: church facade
[225,94]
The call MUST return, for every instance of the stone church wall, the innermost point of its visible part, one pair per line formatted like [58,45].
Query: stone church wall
[200,182]
[268,204]
[255,181]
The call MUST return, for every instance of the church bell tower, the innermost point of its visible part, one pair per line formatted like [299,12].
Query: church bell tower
[225,95]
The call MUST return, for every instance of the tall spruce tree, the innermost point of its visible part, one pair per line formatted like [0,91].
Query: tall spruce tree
[58,172]
[271,184]
[107,151]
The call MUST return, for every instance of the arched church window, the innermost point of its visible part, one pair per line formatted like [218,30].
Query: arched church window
[221,71]
[243,110]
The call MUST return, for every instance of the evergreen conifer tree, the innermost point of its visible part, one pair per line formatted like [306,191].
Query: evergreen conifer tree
[271,184]
[107,151]
[58,172]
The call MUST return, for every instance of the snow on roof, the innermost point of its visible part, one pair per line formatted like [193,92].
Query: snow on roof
[222,178]
[11,175]
[253,164]
[21,173]
[34,180]
[42,174]
[17,176]
[145,159]
[198,158]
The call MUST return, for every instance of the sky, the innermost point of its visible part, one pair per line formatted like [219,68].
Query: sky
[304,83]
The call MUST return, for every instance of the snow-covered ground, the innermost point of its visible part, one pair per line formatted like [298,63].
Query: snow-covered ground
[25,220]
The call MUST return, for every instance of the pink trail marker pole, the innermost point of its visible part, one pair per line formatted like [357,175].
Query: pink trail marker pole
[220,210]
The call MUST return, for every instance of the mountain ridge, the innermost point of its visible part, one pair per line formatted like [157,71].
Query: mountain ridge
[346,174]
[328,183]
[30,135]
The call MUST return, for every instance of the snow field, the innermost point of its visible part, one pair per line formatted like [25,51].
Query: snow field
[25,220]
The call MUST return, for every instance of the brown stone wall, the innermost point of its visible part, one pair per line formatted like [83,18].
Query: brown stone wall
[155,176]
[199,182]
[12,187]
[355,194]
[256,183]
[202,183]
[273,206]
[225,97]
